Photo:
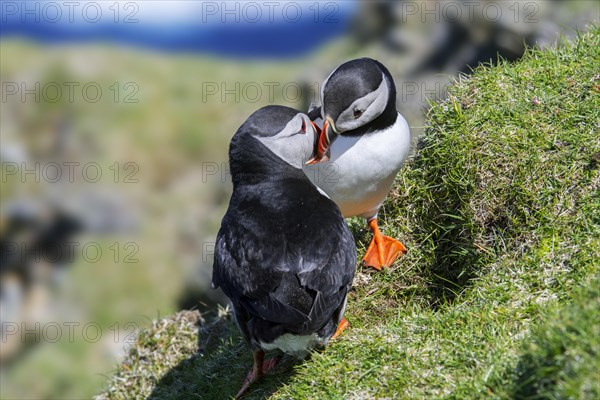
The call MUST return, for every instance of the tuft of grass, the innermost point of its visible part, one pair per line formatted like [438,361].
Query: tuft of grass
[165,344]
[496,298]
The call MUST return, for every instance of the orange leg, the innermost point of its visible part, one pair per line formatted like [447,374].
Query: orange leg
[383,250]
[340,328]
[260,368]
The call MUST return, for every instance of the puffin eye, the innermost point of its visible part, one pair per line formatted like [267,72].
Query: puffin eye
[303,129]
[357,113]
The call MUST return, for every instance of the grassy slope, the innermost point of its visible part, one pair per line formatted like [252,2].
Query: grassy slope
[497,296]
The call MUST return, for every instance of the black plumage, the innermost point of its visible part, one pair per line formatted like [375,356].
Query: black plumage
[283,255]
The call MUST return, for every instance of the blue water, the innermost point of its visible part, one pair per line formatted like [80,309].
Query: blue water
[260,29]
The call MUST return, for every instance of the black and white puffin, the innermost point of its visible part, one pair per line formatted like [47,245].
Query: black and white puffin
[284,255]
[363,144]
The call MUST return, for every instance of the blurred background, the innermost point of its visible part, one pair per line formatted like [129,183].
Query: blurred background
[115,122]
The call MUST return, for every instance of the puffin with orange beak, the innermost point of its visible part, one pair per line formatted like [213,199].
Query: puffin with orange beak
[284,255]
[363,144]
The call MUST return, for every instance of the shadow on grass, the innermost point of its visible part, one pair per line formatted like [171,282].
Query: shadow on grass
[446,231]
[218,369]
[456,259]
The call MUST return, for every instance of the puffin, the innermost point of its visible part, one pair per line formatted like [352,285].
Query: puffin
[363,143]
[284,255]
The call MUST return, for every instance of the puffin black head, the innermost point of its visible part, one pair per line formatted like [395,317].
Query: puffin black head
[288,134]
[357,94]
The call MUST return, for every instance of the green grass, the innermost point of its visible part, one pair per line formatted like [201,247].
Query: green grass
[498,294]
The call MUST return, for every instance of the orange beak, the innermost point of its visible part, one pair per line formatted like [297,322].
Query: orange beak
[322,146]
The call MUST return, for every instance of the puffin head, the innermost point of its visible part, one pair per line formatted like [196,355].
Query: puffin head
[287,133]
[356,94]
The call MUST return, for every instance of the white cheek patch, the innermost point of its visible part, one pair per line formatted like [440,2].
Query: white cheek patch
[291,147]
[372,106]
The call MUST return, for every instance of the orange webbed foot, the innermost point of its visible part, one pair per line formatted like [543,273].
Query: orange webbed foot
[340,328]
[383,250]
